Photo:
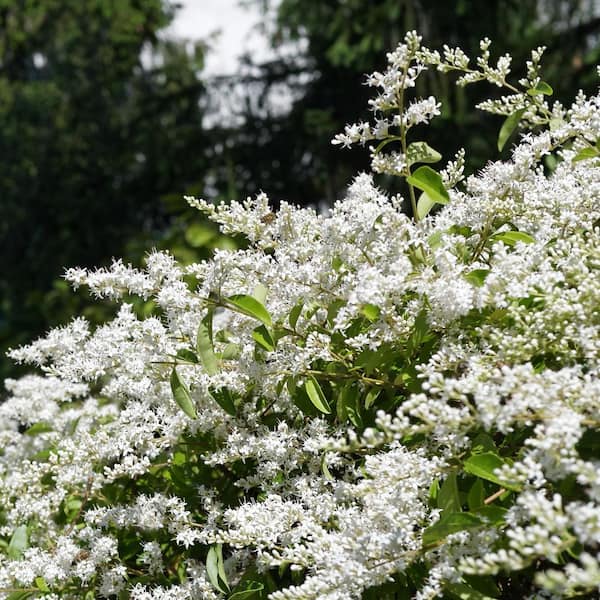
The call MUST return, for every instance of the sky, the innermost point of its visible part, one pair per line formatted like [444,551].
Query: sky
[198,19]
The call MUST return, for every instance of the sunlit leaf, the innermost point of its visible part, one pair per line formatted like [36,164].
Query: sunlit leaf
[541,88]
[421,152]
[182,396]
[430,182]
[263,337]
[250,306]
[484,464]
[19,542]
[214,568]
[316,395]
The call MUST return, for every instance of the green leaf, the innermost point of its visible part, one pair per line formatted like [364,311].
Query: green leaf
[492,513]
[462,591]
[541,88]
[510,238]
[448,498]
[231,352]
[430,182]
[204,345]
[347,405]
[448,524]
[509,125]
[316,396]
[434,490]
[371,312]
[224,398]
[39,427]
[371,396]
[424,205]
[19,542]
[325,468]
[421,152]
[587,153]
[476,495]
[187,356]
[483,465]
[215,570]
[251,307]
[420,332]
[20,595]
[252,591]
[482,443]
[295,314]
[181,393]
[41,584]
[477,276]
[262,336]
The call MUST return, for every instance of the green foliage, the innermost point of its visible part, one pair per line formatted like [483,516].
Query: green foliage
[101,128]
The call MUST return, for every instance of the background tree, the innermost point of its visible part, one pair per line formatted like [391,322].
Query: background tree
[100,136]
[289,154]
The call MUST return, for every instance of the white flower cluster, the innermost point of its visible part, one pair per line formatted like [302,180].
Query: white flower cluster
[355,402]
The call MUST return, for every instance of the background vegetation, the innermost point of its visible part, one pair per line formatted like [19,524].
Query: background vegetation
[102,126]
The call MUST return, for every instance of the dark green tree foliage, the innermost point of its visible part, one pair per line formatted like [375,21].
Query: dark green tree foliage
[99,120]
[289,155]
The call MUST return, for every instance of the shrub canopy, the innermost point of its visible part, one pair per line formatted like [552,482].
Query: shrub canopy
[359,404]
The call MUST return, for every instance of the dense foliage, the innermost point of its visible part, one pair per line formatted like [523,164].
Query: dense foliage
[358,405]
[101,122]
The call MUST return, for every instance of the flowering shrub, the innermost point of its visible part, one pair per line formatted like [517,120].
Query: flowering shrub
[358,405]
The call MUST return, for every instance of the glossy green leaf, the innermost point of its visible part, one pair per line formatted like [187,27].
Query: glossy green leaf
[484,464]
[263,337]
[250,306]
[424,205]
[430,182]
[316,396]
[182,396]
[586,154]
[421,152]
[224,398]
[204,345]
[214,569]
[510,238]
[509,125]
[448,524]
[19,542]
[541,88]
